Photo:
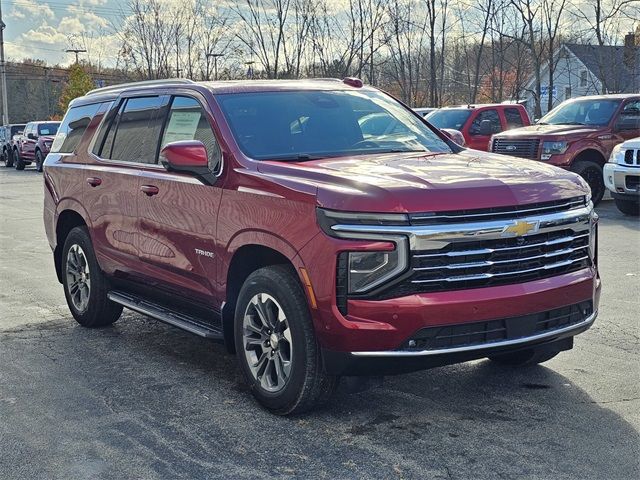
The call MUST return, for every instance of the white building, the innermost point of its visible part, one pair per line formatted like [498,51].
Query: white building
[588,70]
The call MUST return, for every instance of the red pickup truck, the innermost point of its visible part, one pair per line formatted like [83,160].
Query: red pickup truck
[577,135]
[314,250]
[478,122]
[34,144]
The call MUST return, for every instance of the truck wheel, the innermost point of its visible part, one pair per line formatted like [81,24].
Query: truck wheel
[39,161]
[628,207]
[85,286]
[523,358]
[276,345]
[18,161]
[592,173]
[8,159]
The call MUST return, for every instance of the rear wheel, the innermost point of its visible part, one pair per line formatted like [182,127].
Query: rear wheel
[592,173]
[276,345]
[628,207]
[530,356]
[85,286]
[8,159]
[18,161]
[39,160]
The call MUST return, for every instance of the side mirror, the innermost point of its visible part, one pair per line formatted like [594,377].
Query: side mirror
[455,135]
[32,136]
[486,127]
[188,156]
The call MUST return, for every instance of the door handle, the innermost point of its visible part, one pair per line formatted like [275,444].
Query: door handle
[149,190]
[94,181]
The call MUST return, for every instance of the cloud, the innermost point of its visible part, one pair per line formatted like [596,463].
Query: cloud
[26,8]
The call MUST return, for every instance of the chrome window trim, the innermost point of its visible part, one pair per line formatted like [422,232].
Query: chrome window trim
[482,346]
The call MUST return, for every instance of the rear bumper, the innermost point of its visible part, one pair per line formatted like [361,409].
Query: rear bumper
[402,361]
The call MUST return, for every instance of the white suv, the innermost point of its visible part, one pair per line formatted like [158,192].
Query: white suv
[622,176]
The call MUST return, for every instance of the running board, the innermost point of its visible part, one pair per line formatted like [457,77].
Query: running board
[186,322]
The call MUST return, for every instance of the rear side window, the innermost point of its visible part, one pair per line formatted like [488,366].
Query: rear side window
[188,121]
[134,131]
[73,127]
[513,117]
[492,116]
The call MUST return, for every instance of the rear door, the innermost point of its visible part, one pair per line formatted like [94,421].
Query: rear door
[124,145]
[178,222]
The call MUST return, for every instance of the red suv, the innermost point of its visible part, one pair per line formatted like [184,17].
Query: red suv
[259,214]
[478,122]
[34,144]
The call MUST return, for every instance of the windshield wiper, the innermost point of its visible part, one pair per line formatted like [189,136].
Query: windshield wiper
[301,157]
[570,123]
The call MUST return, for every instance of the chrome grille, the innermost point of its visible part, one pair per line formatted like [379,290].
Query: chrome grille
[632,157]
[524,148]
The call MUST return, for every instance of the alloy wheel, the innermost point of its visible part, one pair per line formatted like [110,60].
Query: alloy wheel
[267,342]
[78,277]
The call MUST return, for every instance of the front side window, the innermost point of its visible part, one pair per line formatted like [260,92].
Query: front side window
[629,118]
[449,118]
[492,116]
[597,112]
[134,131]
[188,121]
[302,125]
[513,118]
[73,126]
[48,129]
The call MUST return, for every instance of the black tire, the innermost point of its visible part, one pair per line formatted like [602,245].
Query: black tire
[307,385]
[8,159]
[99,311]
[628,207]
[19,164]
[592,173]
[523,358]
[39,161]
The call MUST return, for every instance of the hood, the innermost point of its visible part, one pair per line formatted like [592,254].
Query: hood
[433,182]
[550,130]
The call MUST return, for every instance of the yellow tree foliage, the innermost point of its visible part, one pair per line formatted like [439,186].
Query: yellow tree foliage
[78,84]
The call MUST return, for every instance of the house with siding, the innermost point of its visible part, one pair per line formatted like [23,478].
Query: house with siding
[588,70]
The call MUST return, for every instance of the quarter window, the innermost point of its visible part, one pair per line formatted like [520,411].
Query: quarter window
[513,118]
[492,116]
[188,121]
[134,131]
[73,127]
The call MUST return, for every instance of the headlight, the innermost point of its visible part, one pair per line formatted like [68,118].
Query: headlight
[370,269]
[617,156]
[553,148]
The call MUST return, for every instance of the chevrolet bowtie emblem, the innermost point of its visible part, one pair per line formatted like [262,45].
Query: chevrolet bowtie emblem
[519,228]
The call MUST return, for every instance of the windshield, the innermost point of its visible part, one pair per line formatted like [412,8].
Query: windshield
[596,112]
[449,118]
[48,128]
[303,125]
[15,129]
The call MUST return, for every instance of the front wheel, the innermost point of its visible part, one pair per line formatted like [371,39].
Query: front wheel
[8,159]
[85,286]
[39,161]
[628,207]
[276,345]
[19,163]
[592,173]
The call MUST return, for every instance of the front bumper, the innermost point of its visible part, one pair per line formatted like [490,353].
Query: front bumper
[623,180]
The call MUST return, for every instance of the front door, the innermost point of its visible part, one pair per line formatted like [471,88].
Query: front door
[476,140]
[177,213]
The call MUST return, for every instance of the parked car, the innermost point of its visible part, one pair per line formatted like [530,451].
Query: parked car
[424,111]
[34,144]
[577,135]
[310,249]
[478,122]
[622,176]
[7,134]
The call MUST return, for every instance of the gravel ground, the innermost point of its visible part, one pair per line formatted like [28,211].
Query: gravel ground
[144,400]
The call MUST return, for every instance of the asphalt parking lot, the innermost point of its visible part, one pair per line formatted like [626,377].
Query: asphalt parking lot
[144,400]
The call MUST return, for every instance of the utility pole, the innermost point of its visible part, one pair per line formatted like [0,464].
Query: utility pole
[3,73]
[76,51]
[46,91]
[215,64]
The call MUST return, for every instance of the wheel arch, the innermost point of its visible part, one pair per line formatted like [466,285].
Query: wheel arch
[67,220]
[590,154]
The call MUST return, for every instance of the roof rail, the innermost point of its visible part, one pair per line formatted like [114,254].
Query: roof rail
[144,83]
